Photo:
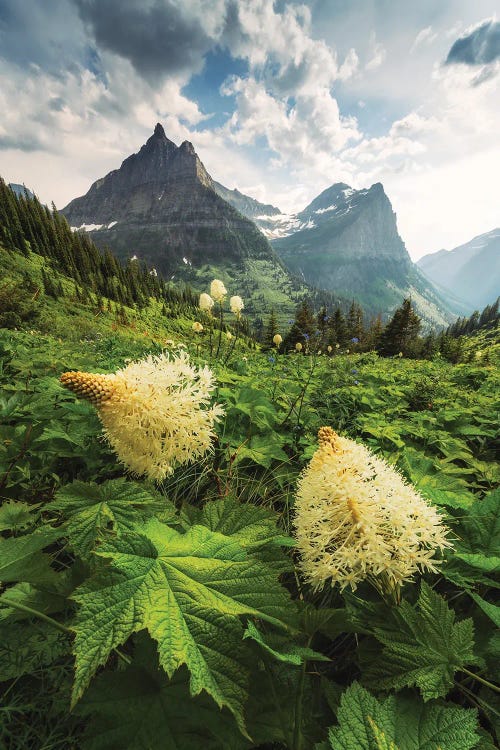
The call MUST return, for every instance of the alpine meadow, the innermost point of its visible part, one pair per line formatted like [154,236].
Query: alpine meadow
[249,476]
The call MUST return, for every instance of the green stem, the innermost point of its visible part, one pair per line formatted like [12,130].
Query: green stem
[481,679]
[50,620]
[220,330]
[36,613]
[299,705]
[282,718]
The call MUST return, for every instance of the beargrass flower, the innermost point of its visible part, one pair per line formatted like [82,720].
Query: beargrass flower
[217,290]
[298,346]
[229,335]
[155,413]
[329,348]
[236,305]
[277,340]
[206,302]
[197,327]
[357,519]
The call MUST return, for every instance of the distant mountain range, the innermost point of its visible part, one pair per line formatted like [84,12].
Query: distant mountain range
[163,207]
[471,271]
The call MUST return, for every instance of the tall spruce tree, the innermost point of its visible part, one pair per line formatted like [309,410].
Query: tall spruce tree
[401,333]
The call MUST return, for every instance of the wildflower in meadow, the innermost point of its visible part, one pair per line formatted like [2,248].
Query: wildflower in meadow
[400,354]
[277,340]
[229,335]
[355,340]
[337,346]
[329,349]
[218,291]
[155,413]
[357,519]
[298,346]
[236,305]
[272,359]
[197,327]
[206,302]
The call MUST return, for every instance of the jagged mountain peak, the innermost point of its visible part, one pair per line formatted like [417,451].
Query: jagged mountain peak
[159,130]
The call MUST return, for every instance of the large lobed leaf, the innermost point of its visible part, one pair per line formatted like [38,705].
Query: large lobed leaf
[189,591]
[401,722]
[97,511]
[423,647]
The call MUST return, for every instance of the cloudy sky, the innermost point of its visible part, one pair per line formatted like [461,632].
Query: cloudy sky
[280,99]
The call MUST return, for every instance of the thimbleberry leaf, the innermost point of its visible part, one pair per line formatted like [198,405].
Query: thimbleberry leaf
[423,647]
[189,591]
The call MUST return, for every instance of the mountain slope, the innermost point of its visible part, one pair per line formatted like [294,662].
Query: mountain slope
[471,271]
[347,240]
[161,206]
[247,206]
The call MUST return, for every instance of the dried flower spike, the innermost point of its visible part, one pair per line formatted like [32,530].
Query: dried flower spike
[155,413]
[357,519]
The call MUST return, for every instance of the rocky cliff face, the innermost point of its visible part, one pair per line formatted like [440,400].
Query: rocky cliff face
[347,240]
[161,206]
[247,206]
[470,271]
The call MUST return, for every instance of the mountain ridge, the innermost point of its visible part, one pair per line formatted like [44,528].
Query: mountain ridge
[470,270]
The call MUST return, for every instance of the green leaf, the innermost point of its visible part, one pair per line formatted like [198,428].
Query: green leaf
[249,525]
[489,564]
[22,559]
[479,530]
[492,610]
[98,511]
[45,601]
[24,648]
[188,590]
[283,649]
[141,709]
[16,516]
[400,723]
[423,646]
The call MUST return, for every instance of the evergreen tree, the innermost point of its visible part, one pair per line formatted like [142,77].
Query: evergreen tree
[303,327]
[270,331]
[401,333]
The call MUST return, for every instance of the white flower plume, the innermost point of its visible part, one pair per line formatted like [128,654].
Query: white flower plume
[357,519]
[155,413]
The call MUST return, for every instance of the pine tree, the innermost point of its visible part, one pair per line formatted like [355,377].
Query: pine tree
[303,327]
[401,333]
[270,331]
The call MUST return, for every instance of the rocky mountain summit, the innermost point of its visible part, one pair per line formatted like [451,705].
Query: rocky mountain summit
[162,206]
[347,240]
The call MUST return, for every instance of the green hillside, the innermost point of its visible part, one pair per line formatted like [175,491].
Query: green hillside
[282,588]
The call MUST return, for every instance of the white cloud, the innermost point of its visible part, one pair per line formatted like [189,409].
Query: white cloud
[378,54]
[424,37]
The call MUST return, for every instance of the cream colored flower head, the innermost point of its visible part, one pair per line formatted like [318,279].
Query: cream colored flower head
[217,290]
[329,348]
[298,346]
[197,327]
[155,413]
[277,340]
[337,346]
[206,302]
[229,335]
[236,305]
[400,354]
[357,519]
